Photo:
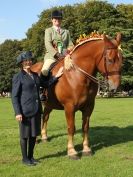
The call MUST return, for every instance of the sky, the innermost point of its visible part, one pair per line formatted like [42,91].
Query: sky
[16,16]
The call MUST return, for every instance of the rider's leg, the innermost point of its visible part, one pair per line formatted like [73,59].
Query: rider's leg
[45,76]
[46,66]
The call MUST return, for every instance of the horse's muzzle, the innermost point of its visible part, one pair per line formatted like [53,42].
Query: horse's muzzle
[112,86]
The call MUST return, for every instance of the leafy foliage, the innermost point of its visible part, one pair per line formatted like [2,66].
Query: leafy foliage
[8,52]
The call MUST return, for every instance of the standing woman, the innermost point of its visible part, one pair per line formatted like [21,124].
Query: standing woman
[27,105]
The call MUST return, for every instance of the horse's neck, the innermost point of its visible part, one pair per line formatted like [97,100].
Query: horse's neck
[87,55]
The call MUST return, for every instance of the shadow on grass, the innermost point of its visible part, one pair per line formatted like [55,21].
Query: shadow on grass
[100,136]
[59,154]
[56,136]
[50,138]
[107,136]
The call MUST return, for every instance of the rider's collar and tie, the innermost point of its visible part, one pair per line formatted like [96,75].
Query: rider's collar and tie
[58,29]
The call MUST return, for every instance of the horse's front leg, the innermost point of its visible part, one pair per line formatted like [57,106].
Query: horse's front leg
[70,118]
[85,128]
[44,124]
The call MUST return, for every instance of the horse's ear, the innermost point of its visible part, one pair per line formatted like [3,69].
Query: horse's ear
[105,38]
[118,38]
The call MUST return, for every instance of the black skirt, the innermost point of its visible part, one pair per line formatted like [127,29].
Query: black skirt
[30,126]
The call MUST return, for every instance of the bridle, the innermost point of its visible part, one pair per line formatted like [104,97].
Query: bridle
[108,73]
[105,74]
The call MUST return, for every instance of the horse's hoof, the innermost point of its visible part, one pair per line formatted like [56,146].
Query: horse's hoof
[87,153]
[74,157]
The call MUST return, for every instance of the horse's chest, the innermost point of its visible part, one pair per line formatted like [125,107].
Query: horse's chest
[89,91]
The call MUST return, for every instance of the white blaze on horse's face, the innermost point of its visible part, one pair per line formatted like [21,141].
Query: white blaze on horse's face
[113,64]
[114,83]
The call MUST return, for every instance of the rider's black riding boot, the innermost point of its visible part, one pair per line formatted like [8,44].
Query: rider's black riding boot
[43,97]
[44,84]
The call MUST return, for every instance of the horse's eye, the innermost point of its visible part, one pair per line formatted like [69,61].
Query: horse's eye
[110,61]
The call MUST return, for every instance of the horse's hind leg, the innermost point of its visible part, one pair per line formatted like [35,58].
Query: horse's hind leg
[44,123]
[70,117]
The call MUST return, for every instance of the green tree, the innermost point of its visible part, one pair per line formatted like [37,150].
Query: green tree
[127,12]
[8,53]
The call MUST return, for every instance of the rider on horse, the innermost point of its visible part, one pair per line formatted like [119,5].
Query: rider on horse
[58,42]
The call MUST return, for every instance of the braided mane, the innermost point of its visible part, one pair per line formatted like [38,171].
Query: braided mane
[80,41]
[83,38]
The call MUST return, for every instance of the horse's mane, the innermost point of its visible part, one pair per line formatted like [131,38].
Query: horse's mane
[94,36]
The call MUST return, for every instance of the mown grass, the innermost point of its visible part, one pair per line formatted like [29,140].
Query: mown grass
[111,139]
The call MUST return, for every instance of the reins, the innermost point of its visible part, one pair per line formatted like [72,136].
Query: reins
[94,79]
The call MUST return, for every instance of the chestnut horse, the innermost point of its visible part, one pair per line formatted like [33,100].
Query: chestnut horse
[77,88]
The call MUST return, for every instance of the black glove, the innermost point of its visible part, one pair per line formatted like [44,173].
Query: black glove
[59,55]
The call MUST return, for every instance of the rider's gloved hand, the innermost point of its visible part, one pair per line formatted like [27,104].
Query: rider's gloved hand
[59,55]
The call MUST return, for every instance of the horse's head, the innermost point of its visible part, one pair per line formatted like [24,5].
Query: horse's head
[111,62]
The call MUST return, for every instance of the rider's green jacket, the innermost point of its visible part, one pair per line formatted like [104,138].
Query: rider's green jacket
[53,38]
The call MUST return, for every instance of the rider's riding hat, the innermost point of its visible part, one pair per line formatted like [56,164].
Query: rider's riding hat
[56,14]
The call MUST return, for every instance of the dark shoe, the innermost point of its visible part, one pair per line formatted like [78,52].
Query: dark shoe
[34,161]
[28,162]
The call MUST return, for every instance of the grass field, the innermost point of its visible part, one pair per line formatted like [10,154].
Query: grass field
[111,139]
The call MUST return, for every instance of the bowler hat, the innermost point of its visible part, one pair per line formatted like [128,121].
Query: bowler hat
[56,14]
[24,56]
